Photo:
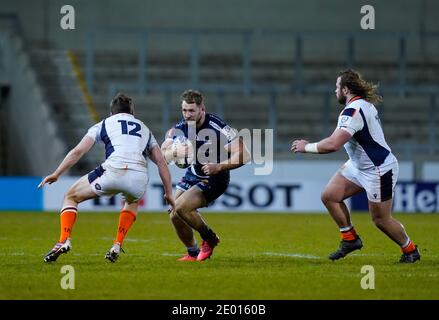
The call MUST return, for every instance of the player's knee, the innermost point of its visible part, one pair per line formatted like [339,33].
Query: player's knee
[329,196]
[69,196]
[180,210]
[72,195]
[173,216]
[380,222]
[326,197]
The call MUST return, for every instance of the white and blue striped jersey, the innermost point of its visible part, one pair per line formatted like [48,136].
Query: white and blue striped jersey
[127,141]
[367,148]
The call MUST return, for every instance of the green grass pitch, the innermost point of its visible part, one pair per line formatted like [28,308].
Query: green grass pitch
[261,256]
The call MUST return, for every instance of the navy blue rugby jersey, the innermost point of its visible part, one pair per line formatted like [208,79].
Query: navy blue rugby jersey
[211,139]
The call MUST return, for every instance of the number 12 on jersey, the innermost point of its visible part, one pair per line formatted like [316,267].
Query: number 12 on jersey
[134,131]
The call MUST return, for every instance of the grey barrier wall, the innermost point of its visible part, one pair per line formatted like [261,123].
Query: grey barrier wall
[34,147]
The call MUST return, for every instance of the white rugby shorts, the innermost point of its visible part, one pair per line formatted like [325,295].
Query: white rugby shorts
[379,182]
[107,181]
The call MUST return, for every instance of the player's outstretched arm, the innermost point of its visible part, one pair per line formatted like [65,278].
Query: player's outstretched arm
[330,144]
[70,160]
[155,154]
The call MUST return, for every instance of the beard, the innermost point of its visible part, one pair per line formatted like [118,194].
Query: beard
[199,119]
[341,99]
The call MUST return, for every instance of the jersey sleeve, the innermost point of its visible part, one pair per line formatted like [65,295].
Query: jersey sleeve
[95,132]
[151,142]
[229,132]
[223,128]
[350,120]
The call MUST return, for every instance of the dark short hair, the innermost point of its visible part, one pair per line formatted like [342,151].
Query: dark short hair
[192,96]
[121,103]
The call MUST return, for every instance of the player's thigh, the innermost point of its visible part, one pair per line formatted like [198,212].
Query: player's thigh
[178,193]
[340,188]
[81,190]
[191,199]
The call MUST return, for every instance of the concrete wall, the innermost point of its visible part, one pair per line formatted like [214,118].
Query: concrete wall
[34,146]
[41,18]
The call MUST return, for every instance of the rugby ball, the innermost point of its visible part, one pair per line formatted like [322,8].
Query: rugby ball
[182,152]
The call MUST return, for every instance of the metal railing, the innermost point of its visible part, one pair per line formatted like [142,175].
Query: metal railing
[408,150]
[405,47]
[402,42]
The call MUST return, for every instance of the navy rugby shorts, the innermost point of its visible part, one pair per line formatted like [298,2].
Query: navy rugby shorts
[212,187]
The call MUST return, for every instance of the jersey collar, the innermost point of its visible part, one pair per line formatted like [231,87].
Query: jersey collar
[353,99]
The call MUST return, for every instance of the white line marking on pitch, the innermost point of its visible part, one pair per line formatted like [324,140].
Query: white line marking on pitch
[293,255]
[171,254]
[128,239]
